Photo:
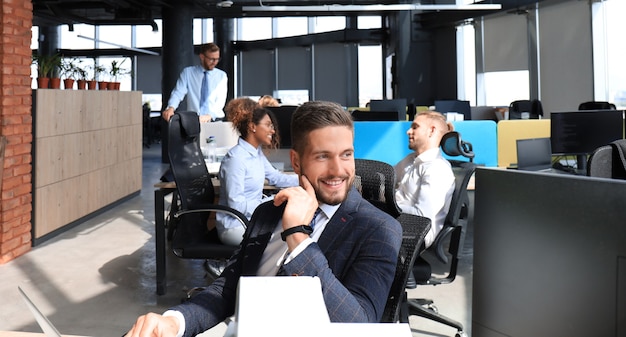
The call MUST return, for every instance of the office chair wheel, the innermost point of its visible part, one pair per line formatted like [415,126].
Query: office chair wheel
[460,334]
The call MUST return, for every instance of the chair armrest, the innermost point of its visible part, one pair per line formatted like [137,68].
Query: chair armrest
[218,208]
[438,245]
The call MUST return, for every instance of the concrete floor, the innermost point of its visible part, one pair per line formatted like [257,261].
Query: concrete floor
[96,278]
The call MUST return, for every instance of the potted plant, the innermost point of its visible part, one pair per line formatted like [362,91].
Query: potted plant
[81,80]
[98,70]
[69,70]
[116,71]
[47,69]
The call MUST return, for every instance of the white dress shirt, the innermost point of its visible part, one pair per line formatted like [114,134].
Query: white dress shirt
[276,254]
[189,84]
[425,184]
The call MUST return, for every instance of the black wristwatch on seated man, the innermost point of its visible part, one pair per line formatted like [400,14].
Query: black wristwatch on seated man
[297,229]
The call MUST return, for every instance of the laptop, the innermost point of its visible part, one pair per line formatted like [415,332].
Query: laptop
[46,326]
[534,154]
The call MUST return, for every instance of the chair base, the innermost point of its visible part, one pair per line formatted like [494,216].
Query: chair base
[425,308]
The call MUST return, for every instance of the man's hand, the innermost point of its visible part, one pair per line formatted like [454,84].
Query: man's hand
[154,325]
[168,113]
[301,206]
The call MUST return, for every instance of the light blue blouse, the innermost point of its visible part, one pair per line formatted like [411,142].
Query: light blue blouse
[242,176]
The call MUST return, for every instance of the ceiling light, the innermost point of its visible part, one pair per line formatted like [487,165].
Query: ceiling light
[224,4]
[361,8]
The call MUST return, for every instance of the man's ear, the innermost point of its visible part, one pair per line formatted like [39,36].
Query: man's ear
[295,161]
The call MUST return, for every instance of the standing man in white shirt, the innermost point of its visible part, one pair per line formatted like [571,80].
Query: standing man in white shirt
[425,181]
[204,86]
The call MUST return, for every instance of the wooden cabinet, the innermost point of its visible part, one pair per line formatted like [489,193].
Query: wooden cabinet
[87,148]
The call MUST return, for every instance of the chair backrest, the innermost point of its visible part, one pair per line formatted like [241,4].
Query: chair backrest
[451,235]
[414,229]
[518,109]
[375,180]
[191,175]
[608,161]
[596,105]
[452,145]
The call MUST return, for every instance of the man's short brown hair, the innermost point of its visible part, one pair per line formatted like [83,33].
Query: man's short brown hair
[209,48]
[315,115]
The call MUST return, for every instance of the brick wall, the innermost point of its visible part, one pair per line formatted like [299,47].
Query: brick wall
[16,18]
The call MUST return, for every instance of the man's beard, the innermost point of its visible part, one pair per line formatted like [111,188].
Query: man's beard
[336,197]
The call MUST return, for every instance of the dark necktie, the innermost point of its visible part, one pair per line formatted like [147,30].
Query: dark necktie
[281,270]
[204,94]
[313,223]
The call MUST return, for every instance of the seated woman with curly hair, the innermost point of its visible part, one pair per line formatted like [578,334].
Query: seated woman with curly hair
[245,168]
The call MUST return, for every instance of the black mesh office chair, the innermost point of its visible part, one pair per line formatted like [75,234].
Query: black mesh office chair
[375,181]
[414,230]
[521,108]
[444,250]
[608,161]
[452,145]
[451,235]
[596,105]
[191,238]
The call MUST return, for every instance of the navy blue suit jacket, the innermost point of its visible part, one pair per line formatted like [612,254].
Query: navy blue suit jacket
[355,259]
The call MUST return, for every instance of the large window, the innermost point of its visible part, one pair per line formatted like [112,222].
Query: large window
[370,73]
[504,87]
[466,63]
[608,52]
[290,26]
[250,29]
[145,37]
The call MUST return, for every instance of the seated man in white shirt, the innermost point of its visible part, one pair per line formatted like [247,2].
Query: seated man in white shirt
[425,181]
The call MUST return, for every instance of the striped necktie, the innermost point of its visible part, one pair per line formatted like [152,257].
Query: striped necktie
[313,222]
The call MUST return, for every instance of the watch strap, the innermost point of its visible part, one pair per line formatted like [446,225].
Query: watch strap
[306,229]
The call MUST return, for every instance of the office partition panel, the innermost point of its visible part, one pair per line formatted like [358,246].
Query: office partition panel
[549,255]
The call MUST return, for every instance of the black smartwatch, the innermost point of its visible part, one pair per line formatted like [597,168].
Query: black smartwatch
[306,229]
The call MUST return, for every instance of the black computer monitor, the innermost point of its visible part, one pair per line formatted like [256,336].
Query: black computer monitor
[462,107]
[398,105]
[581,132]
[373,116]
[283,117]
[549,255]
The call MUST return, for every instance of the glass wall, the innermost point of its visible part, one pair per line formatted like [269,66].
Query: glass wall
[609,50]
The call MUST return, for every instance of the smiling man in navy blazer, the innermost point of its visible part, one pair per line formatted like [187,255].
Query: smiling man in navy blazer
[322,228]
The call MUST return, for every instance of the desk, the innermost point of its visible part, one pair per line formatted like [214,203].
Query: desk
[160,236]
[162,189]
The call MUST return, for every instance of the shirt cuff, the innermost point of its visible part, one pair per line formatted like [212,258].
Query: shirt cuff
[298,249]
[181,320]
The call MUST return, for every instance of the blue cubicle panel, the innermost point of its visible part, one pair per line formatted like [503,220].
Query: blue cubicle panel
[388,142]
[483,136]
[382,141]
